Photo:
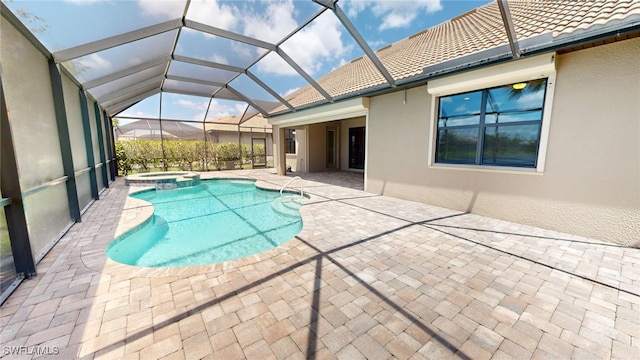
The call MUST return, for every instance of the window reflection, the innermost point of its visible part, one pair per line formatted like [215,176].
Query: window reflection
[458,146]
[463,104]
[462,120]
[511,145]
[509,125]
[508,98]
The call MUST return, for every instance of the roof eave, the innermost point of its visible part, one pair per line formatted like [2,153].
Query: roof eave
[530,46]
[613,29]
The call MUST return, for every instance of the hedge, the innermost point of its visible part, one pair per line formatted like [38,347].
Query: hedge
[146,155]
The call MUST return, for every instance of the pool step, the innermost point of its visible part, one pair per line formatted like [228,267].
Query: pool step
[287,205]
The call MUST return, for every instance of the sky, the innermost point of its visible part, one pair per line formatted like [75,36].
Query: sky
[319,48]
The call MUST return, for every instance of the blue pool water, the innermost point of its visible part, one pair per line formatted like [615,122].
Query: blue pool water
[216,221]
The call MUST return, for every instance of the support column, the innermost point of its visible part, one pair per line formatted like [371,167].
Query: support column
[507,21]
[86,126]
[110,145]
[205,166]
[65,140]
[239,146]
[280,161]
[251,142]
[105,178]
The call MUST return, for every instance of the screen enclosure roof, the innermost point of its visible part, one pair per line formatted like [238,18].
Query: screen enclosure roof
[214,54]
[202,60]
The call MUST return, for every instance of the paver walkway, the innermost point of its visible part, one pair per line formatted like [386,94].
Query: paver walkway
[367,277]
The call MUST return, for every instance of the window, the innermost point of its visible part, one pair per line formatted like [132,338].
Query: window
[496,127]
[289,141]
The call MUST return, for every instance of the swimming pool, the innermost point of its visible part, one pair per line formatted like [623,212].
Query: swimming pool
[215,221]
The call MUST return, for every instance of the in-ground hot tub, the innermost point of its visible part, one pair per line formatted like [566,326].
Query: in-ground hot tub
[164,180]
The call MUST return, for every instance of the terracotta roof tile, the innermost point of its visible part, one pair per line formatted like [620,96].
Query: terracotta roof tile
[474,31]
[230,123]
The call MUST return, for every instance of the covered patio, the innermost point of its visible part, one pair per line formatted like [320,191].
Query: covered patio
[368,276]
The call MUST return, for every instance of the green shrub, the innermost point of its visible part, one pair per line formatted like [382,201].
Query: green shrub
[122,160]
[145,155]
[138,155]
[226,151]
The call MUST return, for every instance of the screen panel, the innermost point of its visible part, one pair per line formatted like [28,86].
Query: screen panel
[184,87]
[75,124]
[217,49]
[193,71]
[103,63]
[99,177]
[29,98]
[83,183]
[127,81]
[57,23]
[263,20]
[47,213]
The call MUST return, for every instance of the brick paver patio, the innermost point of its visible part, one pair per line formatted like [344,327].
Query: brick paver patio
[367,277]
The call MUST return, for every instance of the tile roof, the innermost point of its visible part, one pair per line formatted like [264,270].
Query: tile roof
[477,30]
[230,123]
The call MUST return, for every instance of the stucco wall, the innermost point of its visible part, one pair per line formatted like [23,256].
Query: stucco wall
[591,182]
[317,135]
[297,161]
[345,125]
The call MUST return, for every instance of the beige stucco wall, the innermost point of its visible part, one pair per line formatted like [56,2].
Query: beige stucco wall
[317,147]
[591,182]
[298,161]
[345,125]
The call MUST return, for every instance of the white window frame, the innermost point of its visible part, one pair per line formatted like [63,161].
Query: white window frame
[536,67]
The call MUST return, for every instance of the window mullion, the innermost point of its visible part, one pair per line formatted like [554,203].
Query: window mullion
[512,123]
[474,126]
[483,110]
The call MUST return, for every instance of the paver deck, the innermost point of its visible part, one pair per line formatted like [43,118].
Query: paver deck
[367,277]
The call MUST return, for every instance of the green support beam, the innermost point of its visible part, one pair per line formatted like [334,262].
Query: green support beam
[65,140]
[108,128]
[105,179]
[86,126]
